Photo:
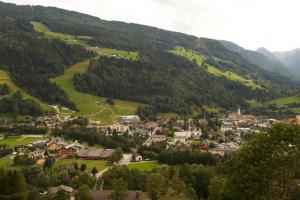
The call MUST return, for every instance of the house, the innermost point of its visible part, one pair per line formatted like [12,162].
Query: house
[181,136]
[94,125]
[184,136]
[94,153]
[105,195]
[37,154]
[119,128]
[225,148]
[55,144]
[67,152]
[106,153]
[53,190]
[138,158]
[38,144]
[128,119]
[158,138]
[90,153]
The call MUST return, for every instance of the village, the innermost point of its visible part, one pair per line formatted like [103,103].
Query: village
[232,131]
[219,135]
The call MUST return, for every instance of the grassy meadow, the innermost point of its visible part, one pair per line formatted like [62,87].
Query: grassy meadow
[91,106]
[200,59]
[18,140]
[144,166]
[70,39]
[285,100]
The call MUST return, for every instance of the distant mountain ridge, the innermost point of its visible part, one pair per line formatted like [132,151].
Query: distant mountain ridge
[262,57]
[291,59]
[267,53]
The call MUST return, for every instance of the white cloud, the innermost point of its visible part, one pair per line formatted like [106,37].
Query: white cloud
[250,23]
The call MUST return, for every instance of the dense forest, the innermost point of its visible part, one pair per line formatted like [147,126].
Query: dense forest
[17,105]
[32,60]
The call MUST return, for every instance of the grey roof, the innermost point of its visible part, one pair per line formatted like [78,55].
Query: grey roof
[54,190]
[90,152]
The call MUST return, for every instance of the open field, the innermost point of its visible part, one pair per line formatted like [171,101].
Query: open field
[200,60]
[144,166]
[167,115]
[70,39]
[5,79]
[130,55]
[91,106]
[285,100]
[99,164]
[18,140]
[7,162]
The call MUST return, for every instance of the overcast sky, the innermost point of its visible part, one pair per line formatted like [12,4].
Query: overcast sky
[273,24]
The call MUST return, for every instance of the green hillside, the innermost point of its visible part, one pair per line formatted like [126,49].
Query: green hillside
[200,60]
[70,39]
[91,106]
[5,79]
[285,100]
[167,82]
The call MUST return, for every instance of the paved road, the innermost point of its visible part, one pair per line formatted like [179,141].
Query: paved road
[124,161]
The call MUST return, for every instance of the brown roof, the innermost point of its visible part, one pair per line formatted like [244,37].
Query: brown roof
[104,195]
[106,153]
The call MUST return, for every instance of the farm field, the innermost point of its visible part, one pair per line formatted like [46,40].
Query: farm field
[70,39]
[5,79]
[99,164]
[200,59]
[18,140]
[285,100]
[91,106]
[144,166]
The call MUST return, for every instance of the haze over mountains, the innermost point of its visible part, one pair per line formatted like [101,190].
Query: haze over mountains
[286,63]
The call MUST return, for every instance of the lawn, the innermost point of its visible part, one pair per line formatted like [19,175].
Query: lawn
[70,39]
[91,106]
[99,164]
[18,140]
[144,166]
[200,60]
[5,79]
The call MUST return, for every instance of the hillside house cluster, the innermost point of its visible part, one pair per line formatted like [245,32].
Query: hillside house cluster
[59,148]
[238,123]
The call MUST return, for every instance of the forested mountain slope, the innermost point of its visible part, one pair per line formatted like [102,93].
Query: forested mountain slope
[32,60]
[166,81]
